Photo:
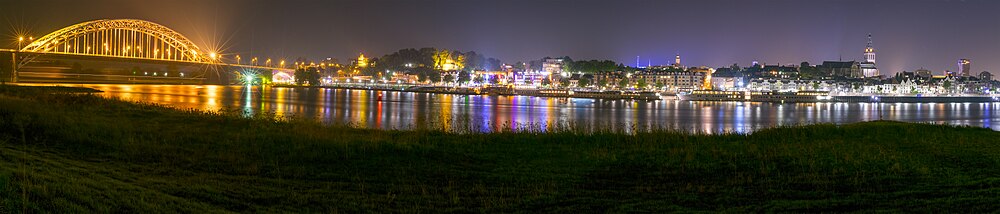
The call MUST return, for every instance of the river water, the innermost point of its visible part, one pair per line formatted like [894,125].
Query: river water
[408,110]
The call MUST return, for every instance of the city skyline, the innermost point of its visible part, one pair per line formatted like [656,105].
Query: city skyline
[715,35]
[497,106]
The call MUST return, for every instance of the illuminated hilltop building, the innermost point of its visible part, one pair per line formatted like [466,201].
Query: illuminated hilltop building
[362,61]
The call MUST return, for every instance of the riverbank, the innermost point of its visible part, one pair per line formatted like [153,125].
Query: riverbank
[503,91]
[650,96]
[70,153]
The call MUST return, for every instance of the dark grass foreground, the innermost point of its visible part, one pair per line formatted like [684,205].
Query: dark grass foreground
[72,153]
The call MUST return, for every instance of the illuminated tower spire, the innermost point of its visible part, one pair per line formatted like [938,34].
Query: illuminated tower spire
[870,51]
[868,68]
[869,40]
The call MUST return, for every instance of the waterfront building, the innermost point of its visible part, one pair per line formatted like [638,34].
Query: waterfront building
[706,75]
[728,78]
[527,78]
[868,68]
[399,77]
[906,87]
[787,85]
[726,83]
[501,77]
[663,80]
[554,66]
[984,83]
[673,81]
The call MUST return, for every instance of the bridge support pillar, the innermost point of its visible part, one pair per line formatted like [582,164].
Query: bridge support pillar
[7,67]
[13,68]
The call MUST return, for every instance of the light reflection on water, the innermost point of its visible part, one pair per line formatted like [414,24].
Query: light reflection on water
[406,110]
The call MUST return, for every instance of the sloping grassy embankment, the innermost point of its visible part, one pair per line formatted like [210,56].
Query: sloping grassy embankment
[80,153]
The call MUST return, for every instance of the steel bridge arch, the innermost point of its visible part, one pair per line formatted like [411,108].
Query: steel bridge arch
[122,28]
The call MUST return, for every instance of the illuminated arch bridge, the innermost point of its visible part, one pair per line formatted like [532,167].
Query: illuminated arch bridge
[128,38]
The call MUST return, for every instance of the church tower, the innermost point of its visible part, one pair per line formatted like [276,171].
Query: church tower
[868,68]
[869,51]
[677,61]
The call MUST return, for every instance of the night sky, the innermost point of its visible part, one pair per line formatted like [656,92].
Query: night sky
[908,34]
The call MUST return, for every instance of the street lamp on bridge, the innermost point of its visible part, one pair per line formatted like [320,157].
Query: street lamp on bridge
[237,59]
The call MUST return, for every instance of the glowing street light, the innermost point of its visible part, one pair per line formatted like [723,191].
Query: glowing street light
[237,59]
[213,55]
[282,63]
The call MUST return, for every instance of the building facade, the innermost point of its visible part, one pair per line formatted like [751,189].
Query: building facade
[790,85]
[985,76]
[674,81]
[850,69]
[671,81]
[964,67]
[923,73]
[553,66]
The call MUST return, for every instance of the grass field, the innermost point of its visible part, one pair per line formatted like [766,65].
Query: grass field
[70,153]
